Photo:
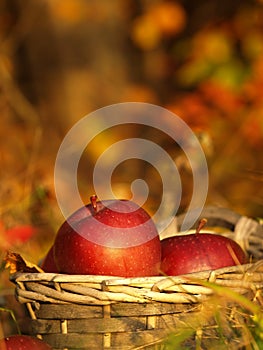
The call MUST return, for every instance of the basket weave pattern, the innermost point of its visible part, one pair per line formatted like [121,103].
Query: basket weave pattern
[100,312]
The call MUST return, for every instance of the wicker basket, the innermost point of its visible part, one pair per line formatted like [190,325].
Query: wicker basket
[100,312]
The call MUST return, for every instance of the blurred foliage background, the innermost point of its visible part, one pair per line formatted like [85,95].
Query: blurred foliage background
[60,60]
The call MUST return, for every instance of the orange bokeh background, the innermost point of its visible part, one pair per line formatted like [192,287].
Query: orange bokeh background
[60,60]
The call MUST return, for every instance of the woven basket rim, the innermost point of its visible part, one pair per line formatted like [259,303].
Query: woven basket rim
[62,277]
[105,290]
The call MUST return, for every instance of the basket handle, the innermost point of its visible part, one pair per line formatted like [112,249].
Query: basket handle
[216,216]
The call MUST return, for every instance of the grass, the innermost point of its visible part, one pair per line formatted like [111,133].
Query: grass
[228,320]
[13,317]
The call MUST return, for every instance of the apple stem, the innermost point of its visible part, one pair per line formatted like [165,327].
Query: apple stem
[93,200]
[201,225]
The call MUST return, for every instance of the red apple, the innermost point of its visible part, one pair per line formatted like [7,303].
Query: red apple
[113,237]
[23,342]
[48,264]
[189,253]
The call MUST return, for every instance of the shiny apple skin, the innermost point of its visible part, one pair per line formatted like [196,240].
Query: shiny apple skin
[118,252]
[48,264]
[23,342]
[190,253]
